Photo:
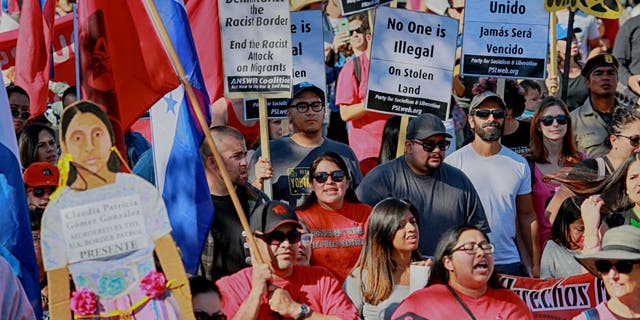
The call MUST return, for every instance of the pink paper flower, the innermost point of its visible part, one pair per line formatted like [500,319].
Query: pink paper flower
[153,284]
[83,302]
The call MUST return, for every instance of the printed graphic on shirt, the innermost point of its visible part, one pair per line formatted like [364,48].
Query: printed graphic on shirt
[299,181]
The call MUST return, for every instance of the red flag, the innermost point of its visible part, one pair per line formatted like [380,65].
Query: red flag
[33,52]
[203,18]
[124,67]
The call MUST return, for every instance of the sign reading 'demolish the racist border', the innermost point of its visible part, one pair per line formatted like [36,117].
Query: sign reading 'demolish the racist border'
[412,60]
[349,7]
[505,39]
[308,62]
[103,229]
[256,46]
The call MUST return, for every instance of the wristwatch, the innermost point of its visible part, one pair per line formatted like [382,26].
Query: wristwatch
[305,312]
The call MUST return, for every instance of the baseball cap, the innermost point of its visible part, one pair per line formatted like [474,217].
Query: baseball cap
[605,59]
[562,32]
[619,243]
[480,98]
[425,126]
[301,87]
[41,174]
[271,215]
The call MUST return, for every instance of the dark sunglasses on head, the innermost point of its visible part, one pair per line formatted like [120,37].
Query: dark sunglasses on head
[484,113]
[201,315]
[277,237]
[623,266]
[429,146]
[39,192]
[633,140]
[548,120]
[303,107]
[322,177]
[23,115]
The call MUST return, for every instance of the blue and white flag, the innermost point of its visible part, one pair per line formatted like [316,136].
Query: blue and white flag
[179,171]
[16,243]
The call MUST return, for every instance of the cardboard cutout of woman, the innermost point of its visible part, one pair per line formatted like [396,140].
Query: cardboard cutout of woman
[103,226]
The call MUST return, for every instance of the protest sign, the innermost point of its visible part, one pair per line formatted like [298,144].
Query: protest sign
[256,47]
[505,39]
[559,298]
[412,60]
[308,61]
[349,7]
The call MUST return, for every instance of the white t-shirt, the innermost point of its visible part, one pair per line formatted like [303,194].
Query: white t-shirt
[498,179]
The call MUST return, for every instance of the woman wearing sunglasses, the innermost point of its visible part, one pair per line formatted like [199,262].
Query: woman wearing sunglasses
[334,215]
[618,265]
[381,275]
[463,283]
[552,148]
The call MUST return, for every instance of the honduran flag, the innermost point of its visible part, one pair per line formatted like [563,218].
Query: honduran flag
[176,139]
[16,243]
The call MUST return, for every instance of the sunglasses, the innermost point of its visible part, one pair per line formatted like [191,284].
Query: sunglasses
[277,237]
[633,140]
[359,30]
[484,113]
[623,266]
[548,120]
[201,315]
[39,192]
[322,177]
[429,146]
[22,115]
[303,107]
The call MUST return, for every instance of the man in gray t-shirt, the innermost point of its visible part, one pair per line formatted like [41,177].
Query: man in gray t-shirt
[443,194]
[292,155]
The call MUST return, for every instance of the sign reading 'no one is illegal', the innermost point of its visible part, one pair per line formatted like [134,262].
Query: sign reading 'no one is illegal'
[505,39]
[412,62]
[256,47]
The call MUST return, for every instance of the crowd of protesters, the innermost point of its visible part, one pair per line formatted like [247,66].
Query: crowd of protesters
[526,184]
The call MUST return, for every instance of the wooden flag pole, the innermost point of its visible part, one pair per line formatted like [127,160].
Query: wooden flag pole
[402,132]
[267,187]
[553,51]
[173,56]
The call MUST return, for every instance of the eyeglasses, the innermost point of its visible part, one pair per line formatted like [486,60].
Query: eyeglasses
[633,140]
[484,113]
[303,107]
[623,266]
[548,120]
[336,176]
[471,247]
[306,239]
[277,237]
[39,192]
[23,115]
[201,315]
[429,146]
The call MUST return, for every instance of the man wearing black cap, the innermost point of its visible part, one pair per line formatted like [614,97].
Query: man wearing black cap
[590,120]
[278,288]
[503,181]
[292,155]
[443,193]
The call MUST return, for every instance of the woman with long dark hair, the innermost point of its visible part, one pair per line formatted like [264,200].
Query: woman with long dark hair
[567,239]
[552,148]
[334,215]
[381,275]
[463,283]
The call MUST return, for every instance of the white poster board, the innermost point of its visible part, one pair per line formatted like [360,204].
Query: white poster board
[505,39]
[412,59]
[308,61]
[103,229]
[256,47]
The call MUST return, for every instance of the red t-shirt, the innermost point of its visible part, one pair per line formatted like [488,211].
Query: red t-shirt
[313,286]
[365,133]
[338,236]
[436,302]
